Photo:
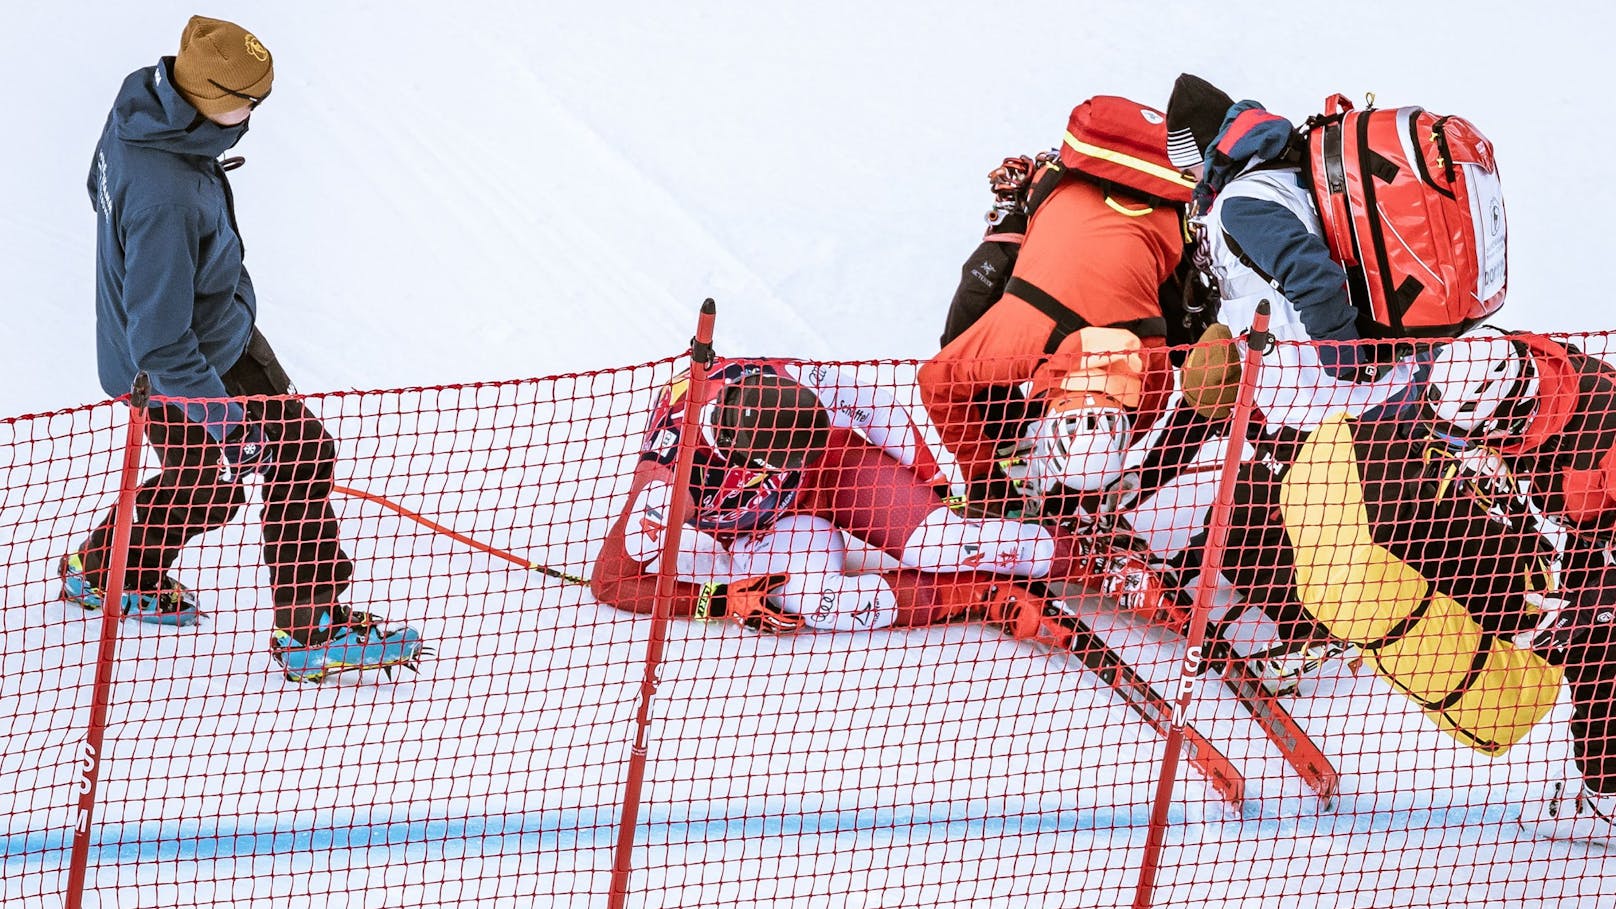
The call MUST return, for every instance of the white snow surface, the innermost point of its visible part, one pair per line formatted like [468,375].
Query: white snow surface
[486,191]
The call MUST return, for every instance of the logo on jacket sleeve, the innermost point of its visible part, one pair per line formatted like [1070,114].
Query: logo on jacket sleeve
[103,196]
[643,535]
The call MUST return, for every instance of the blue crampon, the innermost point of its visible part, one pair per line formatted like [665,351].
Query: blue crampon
[355,645]
[173,606]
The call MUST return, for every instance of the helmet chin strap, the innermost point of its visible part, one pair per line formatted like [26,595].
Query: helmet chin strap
[1502,428]
[1102,510]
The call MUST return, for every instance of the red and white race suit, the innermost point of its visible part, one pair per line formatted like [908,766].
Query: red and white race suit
[875,482]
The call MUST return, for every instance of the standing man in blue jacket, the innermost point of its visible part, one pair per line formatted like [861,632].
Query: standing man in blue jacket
[173,300]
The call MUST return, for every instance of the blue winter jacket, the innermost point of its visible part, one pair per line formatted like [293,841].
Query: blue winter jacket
[1274,242]
[172,296]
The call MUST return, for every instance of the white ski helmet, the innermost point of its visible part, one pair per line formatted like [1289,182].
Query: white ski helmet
[1483,385]
[1079,444]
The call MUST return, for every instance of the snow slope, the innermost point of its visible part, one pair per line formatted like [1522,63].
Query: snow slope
[494,190]
[940,767]
[484,189]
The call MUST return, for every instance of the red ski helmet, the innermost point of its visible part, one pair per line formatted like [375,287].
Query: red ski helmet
[769,422]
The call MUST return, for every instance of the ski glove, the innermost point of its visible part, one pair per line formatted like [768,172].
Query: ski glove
[1348,362]
[245,451]
[746,603]
[1562,624]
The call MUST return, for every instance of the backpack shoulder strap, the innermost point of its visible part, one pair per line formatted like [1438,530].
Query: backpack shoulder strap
[1043,184]
[1066,321]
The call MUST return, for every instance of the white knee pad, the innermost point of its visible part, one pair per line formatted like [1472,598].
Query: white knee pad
[840,602]
[945,542]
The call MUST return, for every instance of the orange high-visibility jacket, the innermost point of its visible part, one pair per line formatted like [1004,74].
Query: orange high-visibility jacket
[1089,259]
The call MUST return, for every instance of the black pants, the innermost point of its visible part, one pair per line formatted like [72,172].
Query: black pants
[1590,671]
[307,567]
[1258,560]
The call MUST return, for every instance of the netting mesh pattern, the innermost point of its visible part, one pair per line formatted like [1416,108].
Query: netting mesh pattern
[965,701]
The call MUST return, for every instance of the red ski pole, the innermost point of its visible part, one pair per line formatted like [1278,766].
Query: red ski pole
[459,537]
[89,761]
[1258,341]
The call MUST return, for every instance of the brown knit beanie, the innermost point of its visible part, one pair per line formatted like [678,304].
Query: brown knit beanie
[220,66]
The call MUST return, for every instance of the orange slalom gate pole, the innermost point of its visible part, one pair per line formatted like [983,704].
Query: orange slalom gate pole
[89,760]
[701,359]
[1258,340]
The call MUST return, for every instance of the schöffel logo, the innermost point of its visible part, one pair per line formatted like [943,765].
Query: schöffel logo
[1497,219]
[1151,117]
[257,49]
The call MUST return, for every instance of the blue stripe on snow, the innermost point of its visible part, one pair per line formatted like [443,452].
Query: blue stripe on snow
[275,836]
[598,828]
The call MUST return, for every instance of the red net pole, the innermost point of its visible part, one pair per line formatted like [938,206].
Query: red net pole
[701,359]
[1257,343]
[111,613]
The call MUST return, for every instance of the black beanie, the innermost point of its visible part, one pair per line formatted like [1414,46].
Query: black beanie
[1194,115]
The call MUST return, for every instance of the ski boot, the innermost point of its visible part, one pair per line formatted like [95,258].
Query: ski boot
[174,605]
[346,642]
[1572,811]
[1024,612]
[1119,566]
[1281,669]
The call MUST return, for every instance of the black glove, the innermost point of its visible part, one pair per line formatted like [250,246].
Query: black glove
[746,603]
[995,495]
[1360,362]
[245,451]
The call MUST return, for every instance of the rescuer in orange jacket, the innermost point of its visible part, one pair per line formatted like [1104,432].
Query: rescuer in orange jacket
[1095,254]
